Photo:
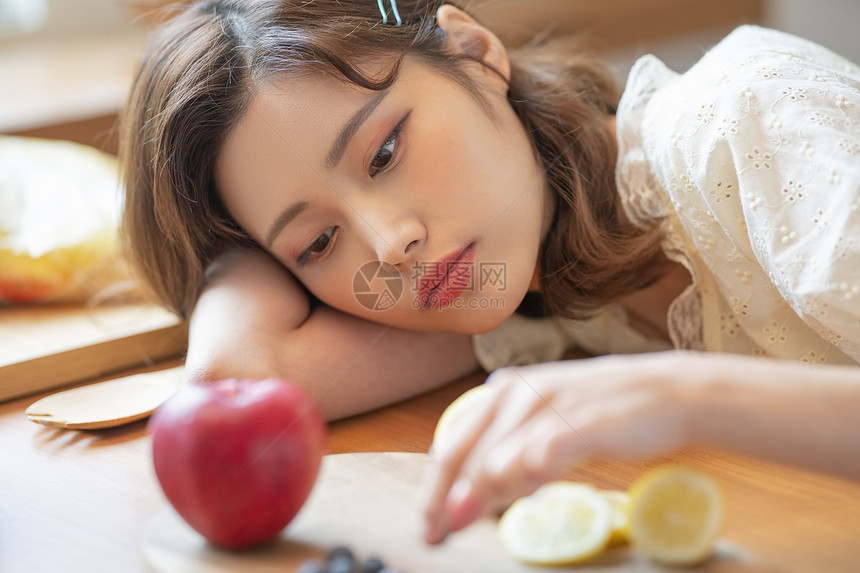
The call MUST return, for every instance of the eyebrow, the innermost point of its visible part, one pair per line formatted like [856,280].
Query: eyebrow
[283,220]
[343,138]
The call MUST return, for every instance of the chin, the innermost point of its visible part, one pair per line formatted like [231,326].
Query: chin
[483,321]
[483,326]
[459,320]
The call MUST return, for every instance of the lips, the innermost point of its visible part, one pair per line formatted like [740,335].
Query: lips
[457,269]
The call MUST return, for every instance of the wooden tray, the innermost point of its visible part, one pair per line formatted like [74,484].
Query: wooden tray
[47,347]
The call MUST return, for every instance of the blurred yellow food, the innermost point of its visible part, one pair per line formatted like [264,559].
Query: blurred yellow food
[618,502]
[675,515]
[560,523]
[60,207]
[460,410]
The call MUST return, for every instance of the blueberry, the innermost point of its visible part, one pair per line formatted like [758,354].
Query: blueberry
[372,565]
[341,552]
[341,560]
[341,564]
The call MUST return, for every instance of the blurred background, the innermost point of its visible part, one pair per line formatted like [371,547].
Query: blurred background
[65,65]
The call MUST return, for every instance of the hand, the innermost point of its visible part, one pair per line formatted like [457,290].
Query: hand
[540,419]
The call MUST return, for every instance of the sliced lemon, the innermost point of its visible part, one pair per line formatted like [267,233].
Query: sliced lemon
[560,523]
[675,515]
[618,502]
[451,421]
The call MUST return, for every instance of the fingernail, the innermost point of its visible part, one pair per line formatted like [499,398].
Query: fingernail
[463,505]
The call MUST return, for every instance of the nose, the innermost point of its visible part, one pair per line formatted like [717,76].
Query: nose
[398,240]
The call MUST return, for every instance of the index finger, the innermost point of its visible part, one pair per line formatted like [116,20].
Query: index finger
[445,466]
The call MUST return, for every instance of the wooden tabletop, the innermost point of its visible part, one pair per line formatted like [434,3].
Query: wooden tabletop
[79,501]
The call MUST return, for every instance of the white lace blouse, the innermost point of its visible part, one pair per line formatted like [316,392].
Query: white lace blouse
[751,162]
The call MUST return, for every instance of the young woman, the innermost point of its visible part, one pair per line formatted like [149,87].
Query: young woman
[283,159]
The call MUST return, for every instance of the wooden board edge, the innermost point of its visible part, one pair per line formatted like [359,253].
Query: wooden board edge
[90,362]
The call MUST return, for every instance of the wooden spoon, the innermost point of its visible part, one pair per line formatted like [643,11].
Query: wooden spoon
[107,404]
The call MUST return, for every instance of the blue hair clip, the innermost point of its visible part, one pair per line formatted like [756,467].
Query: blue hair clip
[384,12]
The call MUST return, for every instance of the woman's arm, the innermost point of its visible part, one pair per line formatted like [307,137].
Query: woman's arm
[253,320]
[541,418]
[782,411]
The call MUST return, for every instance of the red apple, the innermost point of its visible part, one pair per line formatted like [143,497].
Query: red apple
[238,458]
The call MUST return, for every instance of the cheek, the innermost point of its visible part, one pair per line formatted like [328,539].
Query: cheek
[335,285]
[334,288]
[457,162]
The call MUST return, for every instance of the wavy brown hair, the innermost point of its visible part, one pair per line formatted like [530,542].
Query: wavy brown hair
[200,71]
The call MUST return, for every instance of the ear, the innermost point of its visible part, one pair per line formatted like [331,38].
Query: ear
[465,35]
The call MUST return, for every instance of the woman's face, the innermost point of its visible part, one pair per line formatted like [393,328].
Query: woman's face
[332,179]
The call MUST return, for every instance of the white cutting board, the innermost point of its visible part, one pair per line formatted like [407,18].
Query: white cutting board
[371,502]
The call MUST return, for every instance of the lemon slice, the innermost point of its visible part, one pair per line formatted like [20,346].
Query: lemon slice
[618,503]
[560,523]
[451,421]
[675,515]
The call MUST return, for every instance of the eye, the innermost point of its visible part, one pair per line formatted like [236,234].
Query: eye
[388,151]
[383,157]
[319,247]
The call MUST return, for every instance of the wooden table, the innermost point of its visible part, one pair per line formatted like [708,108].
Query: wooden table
[78,501]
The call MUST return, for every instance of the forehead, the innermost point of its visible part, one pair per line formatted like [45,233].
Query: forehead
[302,111]
[306,105]
[278,147]
[287,128]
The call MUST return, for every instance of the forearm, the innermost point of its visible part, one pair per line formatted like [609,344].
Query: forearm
[254,321]
[354,365]
[781,411]
[244,305]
